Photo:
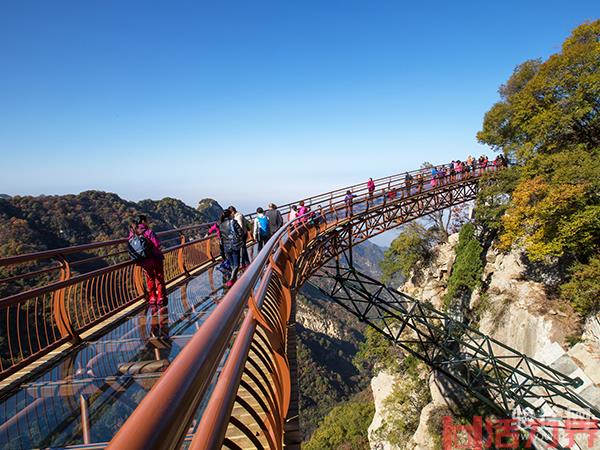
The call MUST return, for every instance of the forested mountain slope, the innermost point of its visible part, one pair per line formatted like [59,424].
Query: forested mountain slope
[30,224]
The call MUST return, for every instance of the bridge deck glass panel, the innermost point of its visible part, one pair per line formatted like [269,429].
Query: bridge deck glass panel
[110,373]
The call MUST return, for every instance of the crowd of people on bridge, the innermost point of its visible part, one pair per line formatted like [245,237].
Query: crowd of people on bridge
[459,170]
[435,176]
[233,230]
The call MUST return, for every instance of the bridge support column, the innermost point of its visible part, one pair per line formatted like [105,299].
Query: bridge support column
[85,419]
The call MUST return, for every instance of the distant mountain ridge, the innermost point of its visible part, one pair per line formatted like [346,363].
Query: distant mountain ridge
[29,224]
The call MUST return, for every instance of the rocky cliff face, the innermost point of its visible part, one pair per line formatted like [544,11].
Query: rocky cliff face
[430,285]
[517,311]
[512,309]
[382,385]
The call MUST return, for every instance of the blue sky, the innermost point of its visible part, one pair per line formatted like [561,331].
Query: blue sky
[252,101]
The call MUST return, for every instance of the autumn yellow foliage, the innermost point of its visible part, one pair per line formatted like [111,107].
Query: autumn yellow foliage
[548,121]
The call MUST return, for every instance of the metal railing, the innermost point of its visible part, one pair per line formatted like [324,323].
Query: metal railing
[39,320]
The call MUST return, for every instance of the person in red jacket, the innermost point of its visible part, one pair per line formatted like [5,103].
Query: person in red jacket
[152,266]
[371,188]
[302,211]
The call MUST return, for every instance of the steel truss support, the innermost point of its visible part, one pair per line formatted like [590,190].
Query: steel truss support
[509,382]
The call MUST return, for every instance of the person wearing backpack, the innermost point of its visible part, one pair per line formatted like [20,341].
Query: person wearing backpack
[243,223]
[261,228]
[275,219]
[144,249]
[232,236]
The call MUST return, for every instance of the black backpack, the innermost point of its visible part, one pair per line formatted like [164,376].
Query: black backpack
[138,247]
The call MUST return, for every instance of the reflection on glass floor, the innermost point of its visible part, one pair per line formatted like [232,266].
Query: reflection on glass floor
[87,395]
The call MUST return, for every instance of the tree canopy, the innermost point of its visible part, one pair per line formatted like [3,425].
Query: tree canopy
[548,106]
[547,118]
[548,121]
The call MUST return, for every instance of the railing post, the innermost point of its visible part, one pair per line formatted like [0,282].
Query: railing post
[61,311]
[85,419]
[138,281]
[180,256]
[209,252]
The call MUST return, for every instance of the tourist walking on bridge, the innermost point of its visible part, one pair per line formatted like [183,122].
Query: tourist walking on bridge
[441,174]
[481,164]
[150,259]
[275,219]
[459,168]
[261,228]
[408,179]
[434,176]
[419,182]
[371,188]
[302,210]
[293,213]
[243,223]
[232,236]
[214,229]
[348,201]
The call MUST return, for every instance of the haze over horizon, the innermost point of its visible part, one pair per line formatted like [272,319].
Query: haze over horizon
[251,103]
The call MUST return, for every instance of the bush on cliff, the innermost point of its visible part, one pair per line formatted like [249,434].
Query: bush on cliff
[413,245]
[583,290]
[344,428]
[467,267]
[377,353]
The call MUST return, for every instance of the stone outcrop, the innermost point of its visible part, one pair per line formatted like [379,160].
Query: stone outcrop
[431,282]
[314,319]
[428,434]
[382,386]
[517,311]
[591,329]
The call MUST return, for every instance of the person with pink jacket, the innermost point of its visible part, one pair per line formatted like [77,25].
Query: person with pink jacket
[293,213]
[371,188]
[152,265]
[302,211]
